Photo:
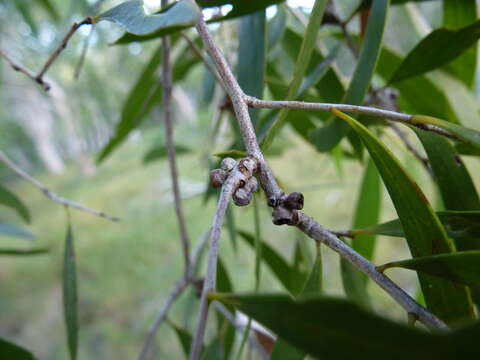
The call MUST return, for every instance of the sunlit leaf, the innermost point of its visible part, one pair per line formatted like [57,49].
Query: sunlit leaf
[23,252]
[131,15]
[424,233]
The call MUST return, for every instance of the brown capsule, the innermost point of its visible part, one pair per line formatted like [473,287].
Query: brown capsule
[242,197]
[294,201]
[228,164]
[247,165]
[284,216]
[218,177]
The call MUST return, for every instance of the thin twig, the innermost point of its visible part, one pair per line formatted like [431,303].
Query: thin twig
[177,290]
[366,110]
[49,193]
[81,61]
[45,86]
[314,230]
[234,179]
[197,51]
[172,296]
[172,161]
[63,45]
[408,144]
[304,222]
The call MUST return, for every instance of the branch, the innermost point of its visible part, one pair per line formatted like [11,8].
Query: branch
[45,86]
[240,174]
[174,294]
[366,110]
[50,194]
[167,111]
[285,207]
[315,231]
[61,47]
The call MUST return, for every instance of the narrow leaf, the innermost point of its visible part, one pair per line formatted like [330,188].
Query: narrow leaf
[437,49]
[22,252]
[70,294]
[131,15]
[303,60]
[457,14]
[461,267]
[424,232]
[11,200]
[335,129]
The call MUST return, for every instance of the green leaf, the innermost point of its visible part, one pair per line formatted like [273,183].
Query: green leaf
[460,267]
[456,186]
[424,232]
[366,214]
[11,200]
[457,14]
[15,231]
[12,351]
[276,27]
[146,92]
[460,225]
[132,17]
[160,152]
[21,252]
[251,46]
[437,49]
[470,136]
[70,294]
[303,59]
[223,279]
[348,332]
[279,266]
[184,337]
[239,8]
[48,7]
[330,135]
[236,154]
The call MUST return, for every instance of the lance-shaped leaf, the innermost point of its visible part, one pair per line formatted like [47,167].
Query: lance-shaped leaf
[23,252]
[301,64]
[331,134]
[424,232]
[184,337]
[366,214]
[460,225]
[461,267]
[131,15]
[15,231]
[70,301]
[329,328]
[455,184]
[161,152]
[437,49]
[457,14]
[11,200]
[11,351]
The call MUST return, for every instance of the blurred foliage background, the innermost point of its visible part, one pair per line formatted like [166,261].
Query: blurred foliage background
[125,269]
